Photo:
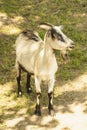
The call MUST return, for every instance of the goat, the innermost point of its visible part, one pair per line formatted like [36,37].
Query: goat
[37,57]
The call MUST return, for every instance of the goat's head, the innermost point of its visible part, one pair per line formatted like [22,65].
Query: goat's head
[56,38]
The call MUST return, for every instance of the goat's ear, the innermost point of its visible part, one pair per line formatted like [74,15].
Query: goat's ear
[45,26]
[61,27]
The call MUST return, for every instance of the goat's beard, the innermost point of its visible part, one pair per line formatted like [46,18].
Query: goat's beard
[65,53]
[65,56]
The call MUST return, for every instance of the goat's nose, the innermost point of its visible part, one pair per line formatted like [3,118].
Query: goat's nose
[72,44]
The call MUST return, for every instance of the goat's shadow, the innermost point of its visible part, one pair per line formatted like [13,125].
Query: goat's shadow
[69,98]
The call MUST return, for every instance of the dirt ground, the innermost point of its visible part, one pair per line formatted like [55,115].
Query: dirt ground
[71,109]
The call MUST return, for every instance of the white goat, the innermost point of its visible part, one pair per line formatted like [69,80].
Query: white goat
[37,57]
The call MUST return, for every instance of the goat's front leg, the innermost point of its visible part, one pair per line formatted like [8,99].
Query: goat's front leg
[50,96]
[18,81]
[28,86]
[38,91]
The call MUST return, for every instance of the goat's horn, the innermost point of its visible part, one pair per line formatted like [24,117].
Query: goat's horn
[46,26]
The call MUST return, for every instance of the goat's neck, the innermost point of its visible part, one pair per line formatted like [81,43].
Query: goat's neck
[48,49]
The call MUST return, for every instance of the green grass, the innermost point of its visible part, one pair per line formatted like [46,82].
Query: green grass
[18,15]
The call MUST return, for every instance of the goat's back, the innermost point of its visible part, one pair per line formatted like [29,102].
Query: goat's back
[26,51]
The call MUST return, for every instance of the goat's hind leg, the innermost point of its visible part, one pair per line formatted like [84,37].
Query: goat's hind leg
[18,81]
[38,91]
[28,86]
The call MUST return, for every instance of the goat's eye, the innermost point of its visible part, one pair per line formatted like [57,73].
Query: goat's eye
[60,37]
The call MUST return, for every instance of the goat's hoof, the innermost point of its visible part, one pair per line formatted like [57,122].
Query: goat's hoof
[52,112]
[38,113]
[29,90]
[19,94]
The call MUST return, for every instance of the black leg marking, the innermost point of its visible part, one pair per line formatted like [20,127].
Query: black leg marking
[28,86]
[37,109]
[50,107]
[18,82]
